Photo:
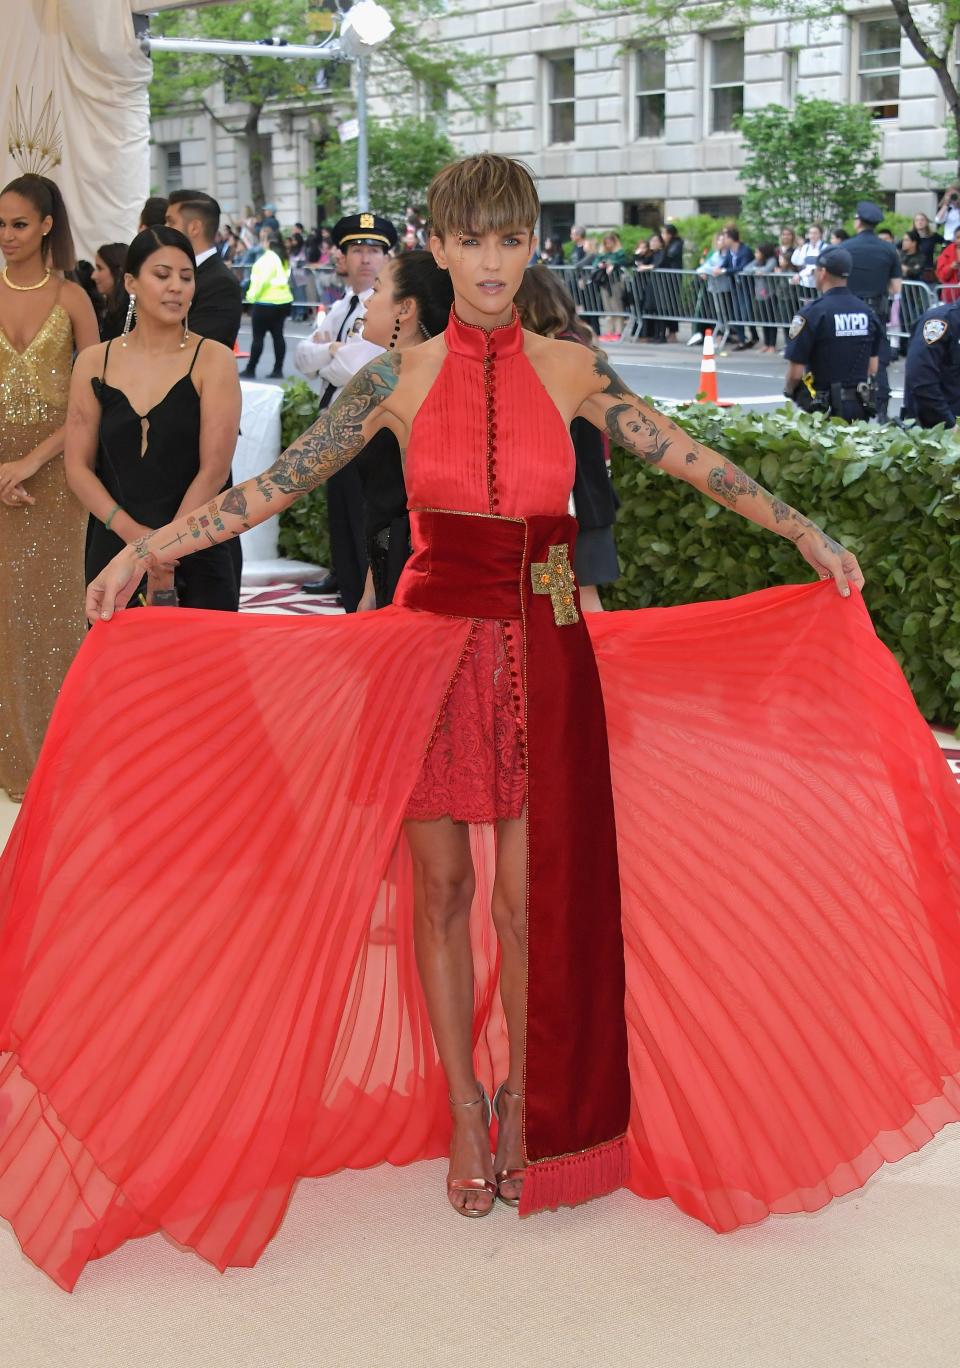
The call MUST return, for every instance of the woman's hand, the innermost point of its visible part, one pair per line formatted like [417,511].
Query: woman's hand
[17,498]
[13,473]
[113,588]
[828,557]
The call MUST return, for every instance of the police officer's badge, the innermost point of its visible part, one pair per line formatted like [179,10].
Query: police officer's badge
[933,330]
[797,325]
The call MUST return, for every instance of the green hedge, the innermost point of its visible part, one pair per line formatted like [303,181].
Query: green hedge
[303,527]
[892,496]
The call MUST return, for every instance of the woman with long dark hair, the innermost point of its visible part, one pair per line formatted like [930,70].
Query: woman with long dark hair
[108,273]
[411,303]
[154,421]
[545,307]
[44,321]
[270,296]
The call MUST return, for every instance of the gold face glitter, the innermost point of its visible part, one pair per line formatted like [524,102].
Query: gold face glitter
[41,550]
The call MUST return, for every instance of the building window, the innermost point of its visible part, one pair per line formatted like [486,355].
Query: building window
[879,68]
[724,207]
[561,122]
[651,74]
[726,83]
[556,220]
[643,213]
[173,167]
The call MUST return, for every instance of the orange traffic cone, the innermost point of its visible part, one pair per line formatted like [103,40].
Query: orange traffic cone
[238,352]
[707,393]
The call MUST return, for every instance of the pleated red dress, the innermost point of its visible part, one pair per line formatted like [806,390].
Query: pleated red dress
[207,981]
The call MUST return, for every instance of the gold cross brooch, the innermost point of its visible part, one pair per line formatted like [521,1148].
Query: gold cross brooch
[554,576]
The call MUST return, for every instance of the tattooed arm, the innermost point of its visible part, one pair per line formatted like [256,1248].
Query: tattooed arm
[335,438]
[657,440]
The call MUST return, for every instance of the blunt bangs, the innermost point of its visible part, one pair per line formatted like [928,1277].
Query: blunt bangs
[482,194]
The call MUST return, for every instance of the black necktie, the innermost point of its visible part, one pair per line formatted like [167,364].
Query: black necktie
[354,301]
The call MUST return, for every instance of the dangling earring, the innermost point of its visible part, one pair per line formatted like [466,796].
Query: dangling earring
[396,334]
[131,319]
[427,334]
[186,329]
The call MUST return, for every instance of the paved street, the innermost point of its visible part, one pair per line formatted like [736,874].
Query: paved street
[669,372]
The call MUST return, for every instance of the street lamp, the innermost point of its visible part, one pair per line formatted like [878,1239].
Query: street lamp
[364,28]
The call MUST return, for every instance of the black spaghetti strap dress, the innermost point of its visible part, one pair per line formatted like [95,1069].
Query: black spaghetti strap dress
[147,462]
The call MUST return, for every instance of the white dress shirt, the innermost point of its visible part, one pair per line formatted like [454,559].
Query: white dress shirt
[202,256]
[312,357]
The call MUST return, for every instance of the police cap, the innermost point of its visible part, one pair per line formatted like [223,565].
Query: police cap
[868,212]
[371,228]
[836,261]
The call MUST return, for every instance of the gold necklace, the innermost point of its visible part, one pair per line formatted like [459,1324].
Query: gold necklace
[24,288]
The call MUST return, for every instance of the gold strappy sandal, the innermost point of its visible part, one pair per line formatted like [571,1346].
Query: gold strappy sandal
[473,1184]
[507,1175]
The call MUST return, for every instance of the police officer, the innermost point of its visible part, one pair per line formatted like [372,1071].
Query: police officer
[334,354]
[834,346]
[876,275]
[931,391]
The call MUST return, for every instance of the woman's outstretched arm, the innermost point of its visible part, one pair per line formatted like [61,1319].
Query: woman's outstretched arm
[659,441]
[333,440]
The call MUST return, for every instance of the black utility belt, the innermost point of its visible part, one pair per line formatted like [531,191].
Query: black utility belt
[846,392]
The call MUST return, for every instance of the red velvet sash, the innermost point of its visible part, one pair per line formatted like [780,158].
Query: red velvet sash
[576,1082]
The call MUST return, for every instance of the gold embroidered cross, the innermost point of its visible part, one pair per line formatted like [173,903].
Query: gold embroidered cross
[554,576]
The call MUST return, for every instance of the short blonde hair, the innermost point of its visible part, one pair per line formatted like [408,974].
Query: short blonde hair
[482,194]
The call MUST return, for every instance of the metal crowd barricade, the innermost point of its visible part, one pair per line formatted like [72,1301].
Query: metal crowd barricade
[763,303]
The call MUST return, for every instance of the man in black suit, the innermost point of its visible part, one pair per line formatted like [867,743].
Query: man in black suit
[218,302]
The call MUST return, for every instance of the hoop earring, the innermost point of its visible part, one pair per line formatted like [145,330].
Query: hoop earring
[396,334]
[131,319]
[186,329]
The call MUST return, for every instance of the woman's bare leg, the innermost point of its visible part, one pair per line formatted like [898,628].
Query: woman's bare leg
[509,907]
[444,884]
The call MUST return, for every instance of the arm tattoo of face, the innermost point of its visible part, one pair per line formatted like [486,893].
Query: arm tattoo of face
[235,501]
[337,435]
[728,482]
[638,433]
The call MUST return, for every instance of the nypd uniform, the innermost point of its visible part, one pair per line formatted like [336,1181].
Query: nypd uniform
[345,503]
[931,392]
[875,264]
[834,338]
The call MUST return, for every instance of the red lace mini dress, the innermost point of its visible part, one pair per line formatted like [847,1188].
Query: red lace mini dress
[489,439]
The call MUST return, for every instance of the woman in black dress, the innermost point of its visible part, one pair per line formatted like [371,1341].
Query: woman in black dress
[546,308]
[411,302]
[153,423]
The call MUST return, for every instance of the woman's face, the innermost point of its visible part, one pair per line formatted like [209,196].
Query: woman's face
[485,270]
[656,243]
[786,237]
[921,223]
[814,234]
[165,287]
[380,315]
[22,229]
[102,276]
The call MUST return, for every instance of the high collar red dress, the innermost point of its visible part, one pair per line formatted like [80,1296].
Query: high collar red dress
[207,980]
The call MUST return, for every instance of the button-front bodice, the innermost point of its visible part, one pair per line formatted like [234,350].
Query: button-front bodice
[489,439]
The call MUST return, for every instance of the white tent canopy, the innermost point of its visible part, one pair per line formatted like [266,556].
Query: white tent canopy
[86,54]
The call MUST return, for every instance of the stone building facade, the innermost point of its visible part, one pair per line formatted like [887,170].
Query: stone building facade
[616,130]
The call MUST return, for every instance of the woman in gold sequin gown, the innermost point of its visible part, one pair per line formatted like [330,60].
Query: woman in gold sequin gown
[43,322]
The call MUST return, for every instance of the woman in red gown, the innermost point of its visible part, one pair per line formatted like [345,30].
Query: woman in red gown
[742,993]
